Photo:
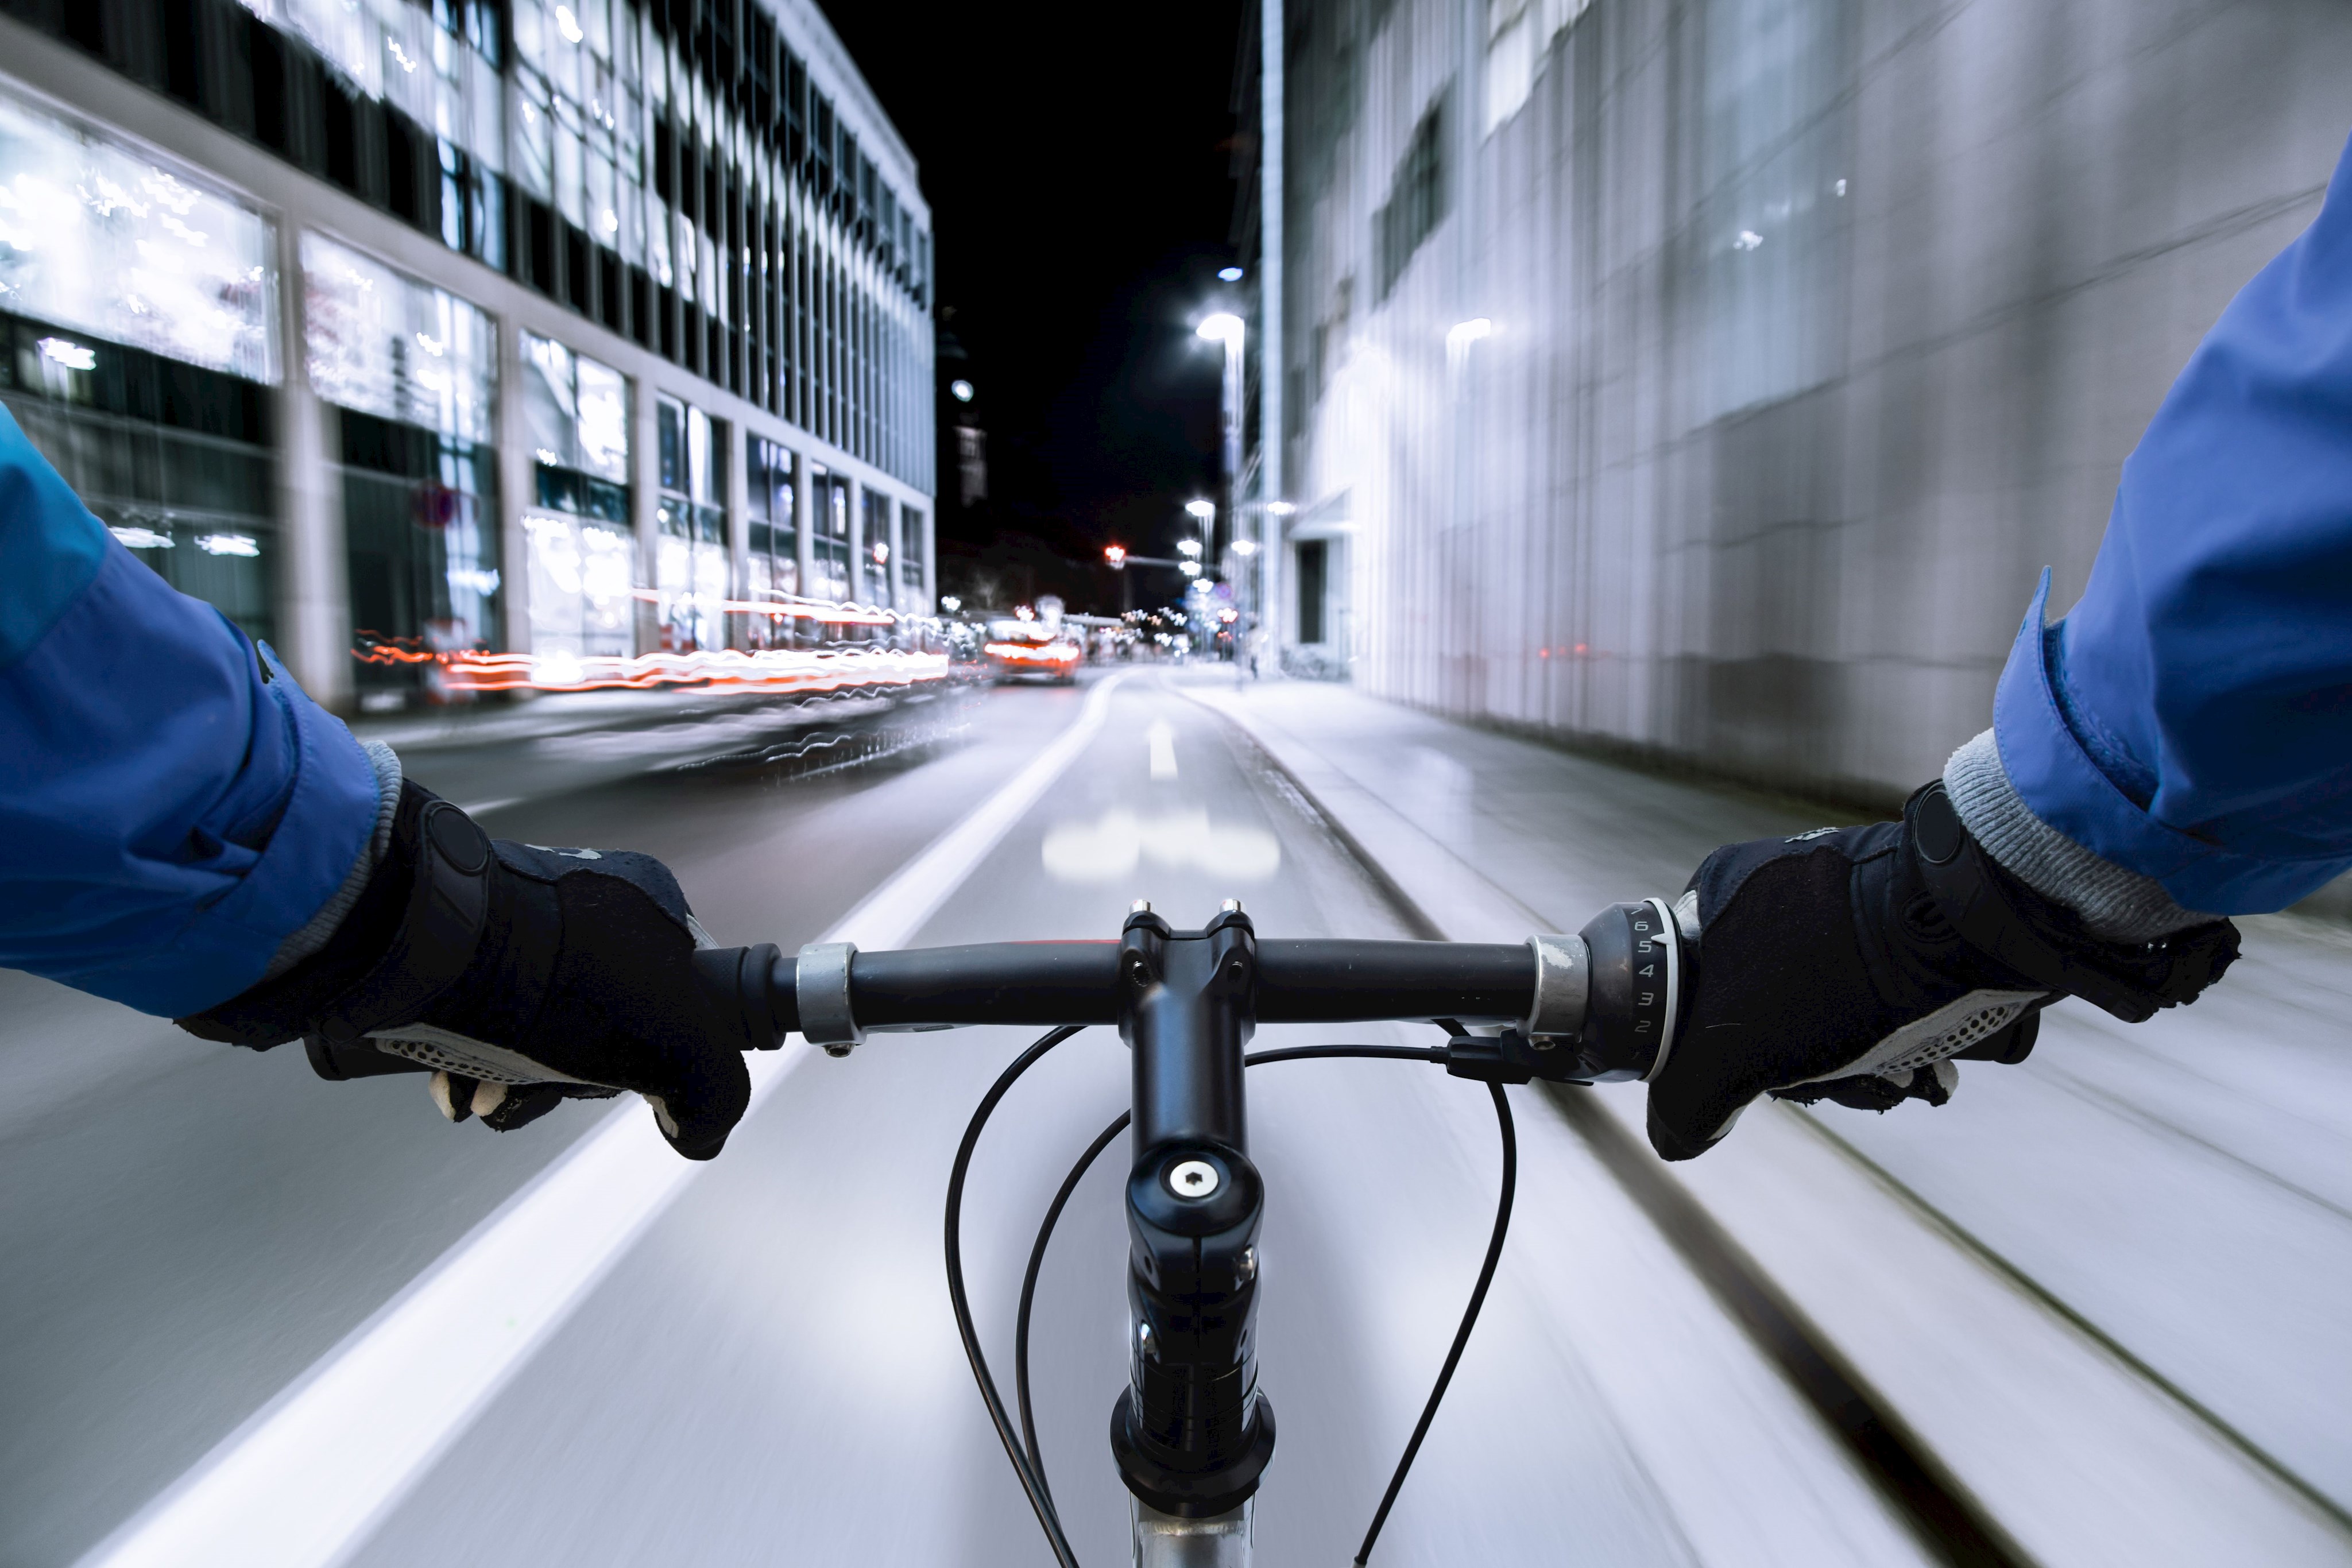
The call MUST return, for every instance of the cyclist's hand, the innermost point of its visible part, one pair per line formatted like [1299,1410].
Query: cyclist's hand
[1828,968]
[527,976]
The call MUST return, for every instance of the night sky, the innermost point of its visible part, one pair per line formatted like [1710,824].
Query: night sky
[1078,163]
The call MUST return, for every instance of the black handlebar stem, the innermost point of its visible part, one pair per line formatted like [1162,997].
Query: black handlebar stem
[1190,1433]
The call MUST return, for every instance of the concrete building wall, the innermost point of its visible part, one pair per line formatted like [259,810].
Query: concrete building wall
[1816,328]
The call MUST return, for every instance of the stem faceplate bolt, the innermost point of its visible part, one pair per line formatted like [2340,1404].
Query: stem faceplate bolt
[1193,1178]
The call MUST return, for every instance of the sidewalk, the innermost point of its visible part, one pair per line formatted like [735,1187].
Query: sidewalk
[2102,1287]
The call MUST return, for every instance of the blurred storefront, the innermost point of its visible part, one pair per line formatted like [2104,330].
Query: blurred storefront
[544,330]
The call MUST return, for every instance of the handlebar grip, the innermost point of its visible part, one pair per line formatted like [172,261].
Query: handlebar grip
[746,995]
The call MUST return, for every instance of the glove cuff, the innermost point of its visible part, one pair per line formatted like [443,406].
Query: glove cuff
[2115,905]
[2046,942]
[409,934]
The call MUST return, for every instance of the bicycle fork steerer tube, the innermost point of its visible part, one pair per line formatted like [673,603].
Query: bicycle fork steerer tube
[1191,1434]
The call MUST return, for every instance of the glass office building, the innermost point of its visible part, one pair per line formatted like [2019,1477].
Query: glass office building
[577,329]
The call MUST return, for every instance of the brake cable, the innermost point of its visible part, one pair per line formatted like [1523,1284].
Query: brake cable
[1028,1461]
[1031,1481]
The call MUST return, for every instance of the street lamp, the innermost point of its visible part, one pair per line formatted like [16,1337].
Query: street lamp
[1203,510]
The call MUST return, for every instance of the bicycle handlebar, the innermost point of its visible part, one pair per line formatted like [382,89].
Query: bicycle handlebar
[1044,984]
[1191,1434]
[1609,995]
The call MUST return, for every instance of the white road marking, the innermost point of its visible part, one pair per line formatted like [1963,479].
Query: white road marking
[1163,751]
[301,1484]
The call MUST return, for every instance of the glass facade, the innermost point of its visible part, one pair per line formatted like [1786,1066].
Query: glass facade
[829,547]
[138,346]
[383,343]
[96,236]
[421,535]
[412,371]
[911,560]
[175,458]
[874,550]
[690,520]
[582,556]
[772,553]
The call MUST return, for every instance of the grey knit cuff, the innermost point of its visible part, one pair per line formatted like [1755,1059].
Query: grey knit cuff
[2115,905]
[321,925]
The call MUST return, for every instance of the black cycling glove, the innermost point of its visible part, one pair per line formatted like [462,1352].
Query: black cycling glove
[1857,963]
[524,976]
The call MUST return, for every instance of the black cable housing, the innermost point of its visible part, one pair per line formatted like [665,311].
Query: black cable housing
[1031,1482]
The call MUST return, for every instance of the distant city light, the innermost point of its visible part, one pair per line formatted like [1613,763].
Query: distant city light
[1233,274]
[950,604]
[1245,547]
[960,390]
[1203,510]
[1222,327]
[1189,546]
[1190,569]
[71,354]
[1280,508]
[1749,240]
[142,538]
[1116,555]
[228,544]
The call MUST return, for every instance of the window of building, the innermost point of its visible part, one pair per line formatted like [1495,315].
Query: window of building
[413,368]
[384,343]
[772,551]
[175,459]
[137,347]
[912,548]
[580,116]
[874,549]
[421,537]
[690,519]
[98,237]
[576,418]
[1418,196]
[829,535]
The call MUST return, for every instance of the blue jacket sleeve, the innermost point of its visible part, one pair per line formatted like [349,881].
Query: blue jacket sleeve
[171,807]
[2192,719]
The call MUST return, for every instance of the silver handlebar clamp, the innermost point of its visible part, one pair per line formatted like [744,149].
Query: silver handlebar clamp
[821,980]
[1563,991]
